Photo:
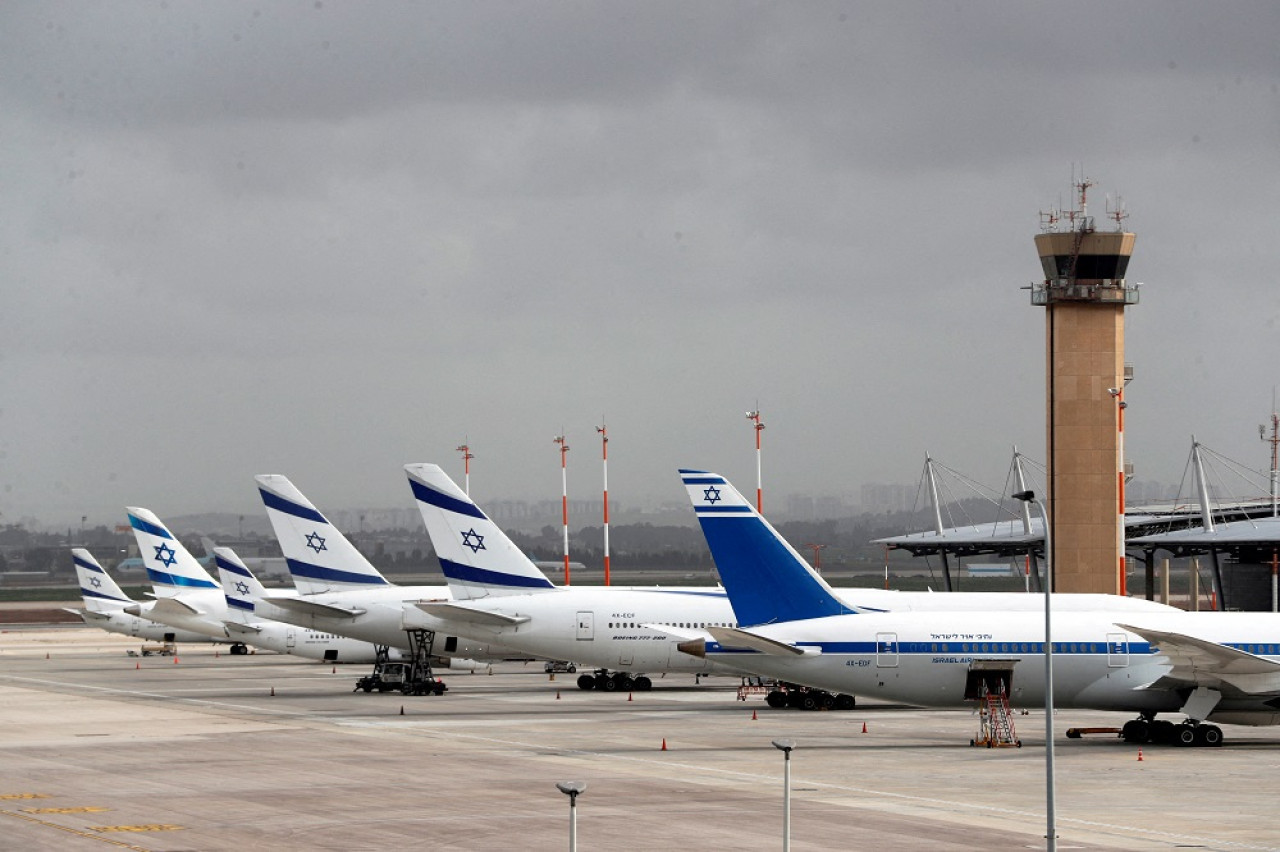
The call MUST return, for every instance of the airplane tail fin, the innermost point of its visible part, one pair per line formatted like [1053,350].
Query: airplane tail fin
[242,589]
[320,558]
[766,579]
[171,568]
[100,592]
[476,556]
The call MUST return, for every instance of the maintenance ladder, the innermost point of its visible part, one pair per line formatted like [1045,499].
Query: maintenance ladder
[995,721]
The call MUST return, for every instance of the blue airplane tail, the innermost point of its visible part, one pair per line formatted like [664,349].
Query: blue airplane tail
[767,581]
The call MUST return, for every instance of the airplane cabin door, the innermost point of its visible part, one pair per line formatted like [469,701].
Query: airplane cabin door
[886,650]
[586,626]
[1117,650]
[290,639]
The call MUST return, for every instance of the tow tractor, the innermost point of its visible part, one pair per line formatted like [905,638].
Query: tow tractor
[410,677]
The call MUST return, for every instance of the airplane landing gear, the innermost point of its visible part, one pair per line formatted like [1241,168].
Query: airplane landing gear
[606,681]
[1148,729]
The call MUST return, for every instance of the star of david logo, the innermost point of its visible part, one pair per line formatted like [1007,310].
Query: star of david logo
[165,554]
[242,587]
[473,540]
[96,582]
[316,542]
[711,495]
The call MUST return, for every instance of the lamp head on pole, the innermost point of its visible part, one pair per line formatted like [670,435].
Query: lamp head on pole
[571,788]
[1025,496]
[786,746]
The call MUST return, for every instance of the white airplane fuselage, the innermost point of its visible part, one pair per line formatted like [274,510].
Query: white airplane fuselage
[376,616]
[1096,664]
[603,627]
[119,621]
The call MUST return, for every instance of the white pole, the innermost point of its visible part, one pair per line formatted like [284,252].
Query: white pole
[573,823]
[1051,835]
[604,454]
[786,801]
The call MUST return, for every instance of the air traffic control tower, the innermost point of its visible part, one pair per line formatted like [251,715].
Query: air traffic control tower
[1084,295]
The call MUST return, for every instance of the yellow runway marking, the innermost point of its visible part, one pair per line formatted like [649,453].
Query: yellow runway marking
[63,810]
[24,795]
[151,827]
[75,831]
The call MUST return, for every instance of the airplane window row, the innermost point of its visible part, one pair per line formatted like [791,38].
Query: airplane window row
[685,624]
[1260,649]
[1012,648]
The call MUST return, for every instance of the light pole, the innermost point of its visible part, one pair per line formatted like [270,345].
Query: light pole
[817,556]
[572,789]
[465,449]
[754,417]
[786,746]
[604,453]
[564,499]
[1051,834]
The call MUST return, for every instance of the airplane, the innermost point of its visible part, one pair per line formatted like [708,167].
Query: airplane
[621,632]
[1208,666]
[105,603]
[243,591]
[187,597]
[342,593]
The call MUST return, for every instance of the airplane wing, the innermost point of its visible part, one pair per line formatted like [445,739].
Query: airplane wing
[174,606]
[1199,661]
[313,608]
[238,627]
[736,637]
[451,611]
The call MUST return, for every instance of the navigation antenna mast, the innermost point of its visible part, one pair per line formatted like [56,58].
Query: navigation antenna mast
[564,499]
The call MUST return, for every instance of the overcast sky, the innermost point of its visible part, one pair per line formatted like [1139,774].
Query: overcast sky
[325,239]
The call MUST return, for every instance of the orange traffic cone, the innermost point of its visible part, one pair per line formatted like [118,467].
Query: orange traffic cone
[137,666]
[273,690]
[664,744]
[753,715]
[628,696]
[401,709]
[864,727]
[215,653]
[175,661]
[335,670]
[557,695]
[1139,755]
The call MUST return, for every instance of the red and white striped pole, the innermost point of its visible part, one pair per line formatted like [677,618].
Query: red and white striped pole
[564,500]
[604,456]
[465,449]
[754,417]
